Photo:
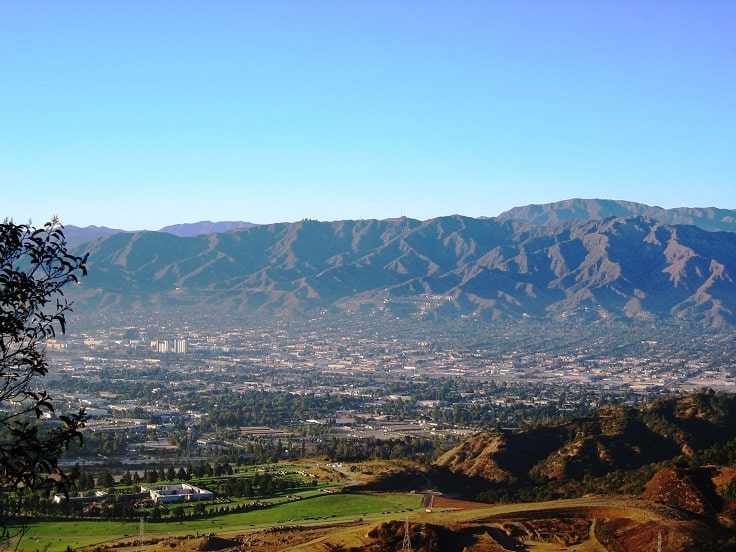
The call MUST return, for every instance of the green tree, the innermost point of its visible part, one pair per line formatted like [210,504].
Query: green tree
[729,490]
[34,267]
[199,509]
[106,480]
[178,512]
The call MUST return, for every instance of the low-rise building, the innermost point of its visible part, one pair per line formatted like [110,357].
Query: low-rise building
[183,492]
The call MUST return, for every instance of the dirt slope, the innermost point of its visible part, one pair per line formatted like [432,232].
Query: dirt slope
[589,524]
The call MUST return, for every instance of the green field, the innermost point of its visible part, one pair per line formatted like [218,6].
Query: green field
[56,536]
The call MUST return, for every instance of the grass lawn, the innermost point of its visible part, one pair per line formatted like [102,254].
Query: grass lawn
[58,535]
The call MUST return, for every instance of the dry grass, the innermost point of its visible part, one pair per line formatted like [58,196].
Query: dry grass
[591,524]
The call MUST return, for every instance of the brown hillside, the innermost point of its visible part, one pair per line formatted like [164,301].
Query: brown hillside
[587,525]
[673,487]
[614,438]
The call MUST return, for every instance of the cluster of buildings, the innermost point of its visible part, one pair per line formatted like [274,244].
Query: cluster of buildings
[382,368]
[158,494]
[183,492]
[179,346]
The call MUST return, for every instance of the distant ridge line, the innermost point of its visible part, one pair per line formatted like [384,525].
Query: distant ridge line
[632,267]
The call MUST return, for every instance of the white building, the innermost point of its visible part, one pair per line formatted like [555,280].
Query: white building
[160,346]
[181,346]
[164,494]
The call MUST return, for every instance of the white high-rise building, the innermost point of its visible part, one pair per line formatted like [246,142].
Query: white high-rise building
[181,346]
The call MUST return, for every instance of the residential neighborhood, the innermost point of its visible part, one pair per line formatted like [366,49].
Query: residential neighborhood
[166,389]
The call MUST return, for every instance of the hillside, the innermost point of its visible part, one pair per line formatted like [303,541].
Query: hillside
[441,268]
[658,473]
[614,440]
[591,524]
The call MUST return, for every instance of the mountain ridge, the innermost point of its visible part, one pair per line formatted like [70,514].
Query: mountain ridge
[190,229]
[453,266]
[708,218]
[76,235]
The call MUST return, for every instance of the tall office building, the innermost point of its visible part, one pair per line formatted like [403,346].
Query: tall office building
[181,346]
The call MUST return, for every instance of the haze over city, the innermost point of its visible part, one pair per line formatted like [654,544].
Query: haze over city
[135,115]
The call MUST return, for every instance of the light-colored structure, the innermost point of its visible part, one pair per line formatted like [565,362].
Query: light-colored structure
[160,346]
[98,495]
[164,494]
[181,346]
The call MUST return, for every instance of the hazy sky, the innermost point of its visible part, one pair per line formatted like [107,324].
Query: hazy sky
[139,114]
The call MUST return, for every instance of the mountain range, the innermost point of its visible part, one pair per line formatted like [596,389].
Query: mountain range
[76,235]
[592,258]
[708,218]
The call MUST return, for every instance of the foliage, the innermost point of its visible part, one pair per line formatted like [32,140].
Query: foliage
[34,266]
[729,491]
[615,451]
[54,535]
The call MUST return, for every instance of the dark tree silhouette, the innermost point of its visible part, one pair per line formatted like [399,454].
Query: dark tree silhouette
[34,266]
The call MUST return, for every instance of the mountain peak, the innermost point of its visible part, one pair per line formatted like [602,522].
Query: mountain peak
[708,218]
[204,227]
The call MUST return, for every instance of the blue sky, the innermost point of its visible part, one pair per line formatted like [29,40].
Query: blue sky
[138,114]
